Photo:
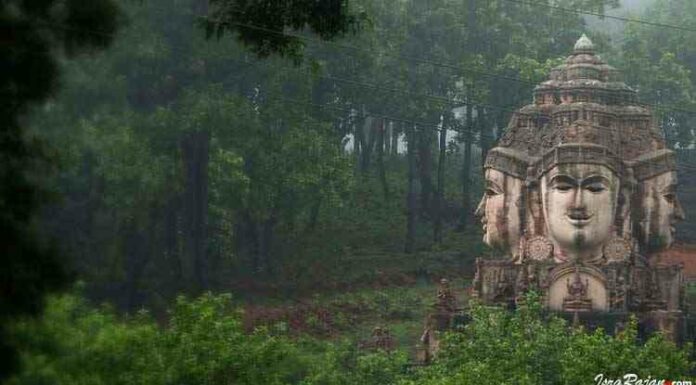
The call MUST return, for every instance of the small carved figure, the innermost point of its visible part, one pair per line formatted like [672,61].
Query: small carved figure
[577,290]
[382,339]
[618,299]
[504,291]
[577,298]
[445,298]
[653,295]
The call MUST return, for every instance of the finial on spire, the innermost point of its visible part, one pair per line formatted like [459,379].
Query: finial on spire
[584,44]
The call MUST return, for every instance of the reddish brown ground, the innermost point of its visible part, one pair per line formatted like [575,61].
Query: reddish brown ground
[681,254]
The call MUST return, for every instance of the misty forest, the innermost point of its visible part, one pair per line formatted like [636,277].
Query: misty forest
[272,192]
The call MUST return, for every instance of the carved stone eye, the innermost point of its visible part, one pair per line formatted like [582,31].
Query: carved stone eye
[596,187]
[670,197]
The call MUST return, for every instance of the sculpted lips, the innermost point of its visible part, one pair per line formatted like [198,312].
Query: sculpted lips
[578,218]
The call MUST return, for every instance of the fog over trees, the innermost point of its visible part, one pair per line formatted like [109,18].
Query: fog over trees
[215,192]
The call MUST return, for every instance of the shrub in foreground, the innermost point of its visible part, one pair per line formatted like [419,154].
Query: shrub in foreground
[204,343]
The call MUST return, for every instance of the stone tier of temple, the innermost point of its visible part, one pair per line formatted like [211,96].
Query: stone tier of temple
[580,197]
[584,89]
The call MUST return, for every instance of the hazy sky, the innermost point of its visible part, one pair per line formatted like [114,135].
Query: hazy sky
[635,4]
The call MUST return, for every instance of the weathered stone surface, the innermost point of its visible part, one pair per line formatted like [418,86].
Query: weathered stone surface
[582,190]
[581,198]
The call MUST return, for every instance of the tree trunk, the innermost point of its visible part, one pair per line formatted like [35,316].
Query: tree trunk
[370,138]
[466,169]
[247,238]
[501,124]
[440,199]
[358,140]
[395,141]
[411,197]
[380,159]
[266,236]
[314,214]
[387,139]
[171,234]
[425,168]
[195,151]
[485,134]
[139,249]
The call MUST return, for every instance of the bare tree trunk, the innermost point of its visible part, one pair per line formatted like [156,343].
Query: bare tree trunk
[387,139]
[468,137]
[247,239]
[195,151]
[395,141]
[425,158]
[370,139]
[485,134]
[135,259]
[501,124]
[466,169]
[266,236]
[380,159]
[171,234]
[411,197]
[358,141]
[439,201]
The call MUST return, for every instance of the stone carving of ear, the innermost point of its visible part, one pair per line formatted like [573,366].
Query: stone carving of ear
[534,214]
[623,222]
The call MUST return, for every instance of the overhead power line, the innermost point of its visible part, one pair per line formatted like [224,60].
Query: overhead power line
[603,15]
[658,107]
[442,99]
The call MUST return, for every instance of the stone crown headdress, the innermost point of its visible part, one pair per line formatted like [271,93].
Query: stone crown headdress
[582,114]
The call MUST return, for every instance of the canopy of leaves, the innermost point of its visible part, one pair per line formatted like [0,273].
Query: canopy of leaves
[261,24]
[33,33]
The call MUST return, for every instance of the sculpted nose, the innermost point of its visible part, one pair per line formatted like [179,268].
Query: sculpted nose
[679,211]
[578,199]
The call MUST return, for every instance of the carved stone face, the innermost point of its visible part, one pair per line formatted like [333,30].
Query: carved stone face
[499,210]
[660,211]
[579,203]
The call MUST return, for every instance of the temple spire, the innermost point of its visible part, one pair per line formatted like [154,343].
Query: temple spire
[584,44]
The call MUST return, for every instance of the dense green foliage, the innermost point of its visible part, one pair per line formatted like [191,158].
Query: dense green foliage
[35,34]
[186,163]
[527,348]
[203,342]
[663,65]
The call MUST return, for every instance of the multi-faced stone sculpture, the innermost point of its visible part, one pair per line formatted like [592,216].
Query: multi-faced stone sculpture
[580,203]
[657,205]
[581,190]
[580,195]
[501,208]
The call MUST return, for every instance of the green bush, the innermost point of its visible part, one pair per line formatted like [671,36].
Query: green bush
[525,347]
[203,342]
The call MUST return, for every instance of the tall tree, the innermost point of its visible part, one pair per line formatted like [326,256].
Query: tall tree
[411,196]
[440,197]
[32,33]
